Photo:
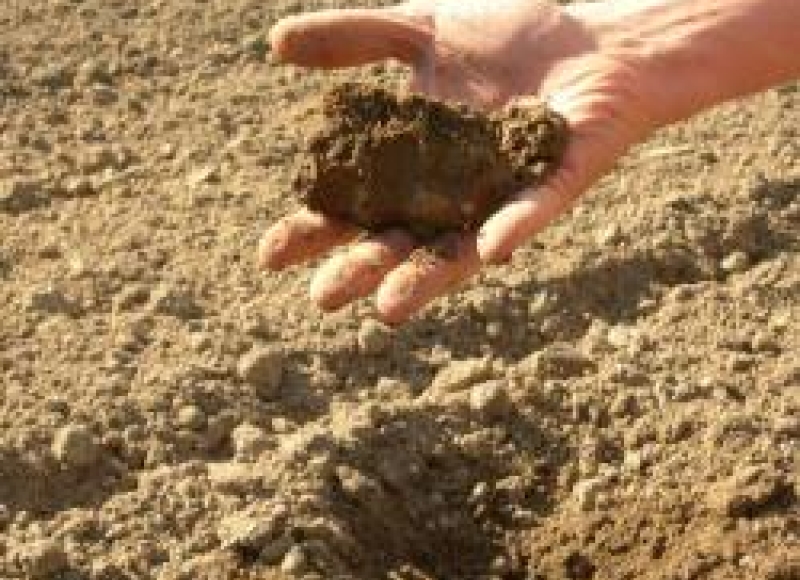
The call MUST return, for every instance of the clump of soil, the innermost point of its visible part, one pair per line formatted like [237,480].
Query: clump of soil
[382,160]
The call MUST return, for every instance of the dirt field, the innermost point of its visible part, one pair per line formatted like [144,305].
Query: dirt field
[621,402]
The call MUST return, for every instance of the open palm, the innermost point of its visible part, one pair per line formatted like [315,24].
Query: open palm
[481,52]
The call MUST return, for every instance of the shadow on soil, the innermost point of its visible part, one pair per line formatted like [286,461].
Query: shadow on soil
[42,488]
[413,510]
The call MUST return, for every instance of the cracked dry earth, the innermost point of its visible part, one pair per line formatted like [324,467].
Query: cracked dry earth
[620,402]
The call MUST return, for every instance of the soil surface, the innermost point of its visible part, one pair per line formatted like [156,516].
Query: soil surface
[382,160]
[622,401]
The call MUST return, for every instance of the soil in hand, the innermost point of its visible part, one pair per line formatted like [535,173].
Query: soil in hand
[382,160]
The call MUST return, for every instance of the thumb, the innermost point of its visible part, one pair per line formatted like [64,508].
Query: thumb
[350,37]
[596,140]
[528,213]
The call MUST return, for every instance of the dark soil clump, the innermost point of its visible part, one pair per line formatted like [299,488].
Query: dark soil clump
[380,160]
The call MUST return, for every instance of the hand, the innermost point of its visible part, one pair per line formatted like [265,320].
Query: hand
[485,53]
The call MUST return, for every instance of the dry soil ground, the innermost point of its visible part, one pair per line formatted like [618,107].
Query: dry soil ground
[621,402]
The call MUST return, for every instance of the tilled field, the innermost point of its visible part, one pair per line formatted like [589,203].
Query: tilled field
[620,402]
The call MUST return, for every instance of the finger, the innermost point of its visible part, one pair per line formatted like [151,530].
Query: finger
[338,38]
[358,271]
[425,276]
[530,212]
[300,237]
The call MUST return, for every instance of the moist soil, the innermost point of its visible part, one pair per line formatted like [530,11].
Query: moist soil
[382,160]
[620,401]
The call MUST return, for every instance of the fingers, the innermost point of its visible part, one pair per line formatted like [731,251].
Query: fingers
[300,237]
[357,272]
[405,284]
[533,209]
[338,38]
[426,276]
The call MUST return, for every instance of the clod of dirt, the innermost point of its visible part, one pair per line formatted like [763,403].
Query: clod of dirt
[263,368]
[380,160]
[248,441]
[374,337]
[74,445]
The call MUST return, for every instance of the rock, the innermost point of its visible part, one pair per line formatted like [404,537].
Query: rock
[374,337]
[75,446]
[253,533]
[249,442]
[191,417]
[21,195]
[263,367]
[461,374]
[171,301]
[41,560]
[557,361]
[167,151]
[295,561]
[207,174]
[735,262]
[489,399]
[230,478]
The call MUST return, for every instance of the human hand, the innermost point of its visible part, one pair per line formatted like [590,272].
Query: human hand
[484,53]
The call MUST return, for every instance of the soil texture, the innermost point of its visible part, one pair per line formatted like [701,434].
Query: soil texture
[621,401]
[381,161]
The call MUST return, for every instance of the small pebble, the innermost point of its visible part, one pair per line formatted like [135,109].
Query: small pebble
[249,442]
[207,174]
[171,301]
[489,398]
[295,561]
[248,532]
[734,262]
[74,445]
[374,337]
[263,367]
[461,374]
[191,417]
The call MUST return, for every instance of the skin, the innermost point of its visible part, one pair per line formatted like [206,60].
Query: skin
[610,68]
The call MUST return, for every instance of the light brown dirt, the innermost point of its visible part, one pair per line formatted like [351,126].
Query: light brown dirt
[623,401]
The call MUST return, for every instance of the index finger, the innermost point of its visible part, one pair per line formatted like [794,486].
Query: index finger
[350,37]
